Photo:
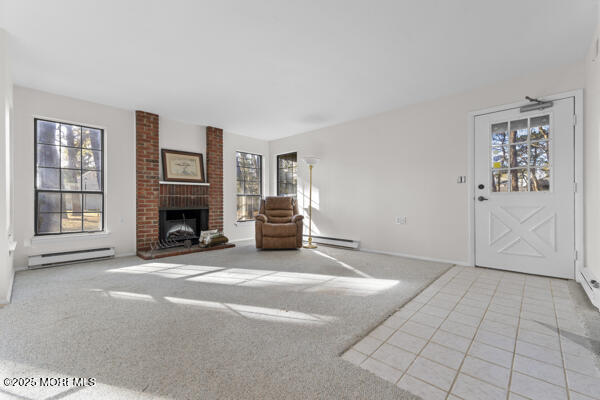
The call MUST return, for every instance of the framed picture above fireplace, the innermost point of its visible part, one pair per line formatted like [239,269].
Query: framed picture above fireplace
[182,166]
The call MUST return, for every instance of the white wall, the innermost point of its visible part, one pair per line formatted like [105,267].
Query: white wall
[405,163]
[592,158]
[174,135]
[400,163]
[119,128]
[120,172]
[6,104]
[232,143]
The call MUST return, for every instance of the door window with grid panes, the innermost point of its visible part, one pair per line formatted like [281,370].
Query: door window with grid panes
[69,189]
[249,185]
[520,155]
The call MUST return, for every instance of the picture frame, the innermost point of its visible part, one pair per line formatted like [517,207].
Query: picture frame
[182,166]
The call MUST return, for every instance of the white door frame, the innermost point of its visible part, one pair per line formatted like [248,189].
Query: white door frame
[579,244]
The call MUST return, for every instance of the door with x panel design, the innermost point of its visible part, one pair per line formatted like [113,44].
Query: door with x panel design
[525,191]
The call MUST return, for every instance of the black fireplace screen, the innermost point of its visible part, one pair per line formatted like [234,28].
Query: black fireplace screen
[179,225]
[180,229]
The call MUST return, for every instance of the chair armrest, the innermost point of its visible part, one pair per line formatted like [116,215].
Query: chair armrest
[297,217]
[261,218]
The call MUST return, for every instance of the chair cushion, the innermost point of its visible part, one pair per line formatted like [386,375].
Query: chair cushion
[279,209]
[279,220]
[279,230]
[279,203]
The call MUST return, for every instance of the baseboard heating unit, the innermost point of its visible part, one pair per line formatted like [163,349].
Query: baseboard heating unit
[591,286]
[348,243]
[67,257]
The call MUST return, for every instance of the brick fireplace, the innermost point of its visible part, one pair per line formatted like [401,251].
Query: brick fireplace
[154,198]
[214,170]
[180,202]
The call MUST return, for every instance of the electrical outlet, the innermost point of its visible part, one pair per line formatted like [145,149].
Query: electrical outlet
[401,220]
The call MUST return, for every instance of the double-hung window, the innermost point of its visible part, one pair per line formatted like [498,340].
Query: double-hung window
[286,174]
[69,189]
[249,185]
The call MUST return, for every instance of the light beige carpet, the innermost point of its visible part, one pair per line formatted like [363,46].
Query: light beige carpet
[228,324]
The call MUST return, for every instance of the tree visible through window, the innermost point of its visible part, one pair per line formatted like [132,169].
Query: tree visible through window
[69,193]
[521,155]
[249,185]
[286,174]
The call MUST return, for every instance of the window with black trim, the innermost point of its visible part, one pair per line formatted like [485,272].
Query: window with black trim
[286,174]
[69,190]
[249,185]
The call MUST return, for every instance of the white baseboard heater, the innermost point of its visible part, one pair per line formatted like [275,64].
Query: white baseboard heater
[66,257]
[591,286]
[349,243]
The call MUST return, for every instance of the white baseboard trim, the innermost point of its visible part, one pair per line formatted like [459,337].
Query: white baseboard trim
[120,255]
[10,289]
[440,260]
[585,278]
[334,241]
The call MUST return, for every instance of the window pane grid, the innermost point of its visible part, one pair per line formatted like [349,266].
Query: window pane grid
[249,185]
[520,155]
[69,164]
[287,175]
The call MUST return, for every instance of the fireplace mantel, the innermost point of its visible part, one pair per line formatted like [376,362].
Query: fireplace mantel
[184,183]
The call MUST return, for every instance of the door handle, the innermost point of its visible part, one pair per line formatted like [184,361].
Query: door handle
[481,198]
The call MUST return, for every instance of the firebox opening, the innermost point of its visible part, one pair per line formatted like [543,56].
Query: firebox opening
[179,225]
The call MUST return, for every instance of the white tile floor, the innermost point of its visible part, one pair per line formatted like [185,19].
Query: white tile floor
[483,334]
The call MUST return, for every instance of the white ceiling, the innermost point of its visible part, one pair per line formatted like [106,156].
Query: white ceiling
[273,68]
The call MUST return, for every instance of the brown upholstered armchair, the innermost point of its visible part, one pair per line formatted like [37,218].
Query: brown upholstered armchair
[278,225]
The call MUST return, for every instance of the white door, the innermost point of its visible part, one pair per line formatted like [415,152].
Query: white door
[525,190]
